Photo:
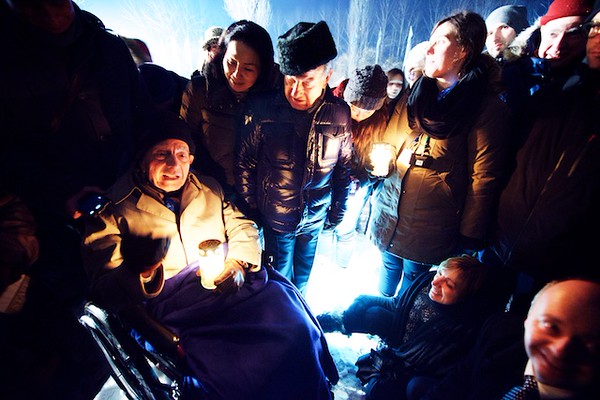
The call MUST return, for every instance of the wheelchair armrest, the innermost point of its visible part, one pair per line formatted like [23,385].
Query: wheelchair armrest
[152,331]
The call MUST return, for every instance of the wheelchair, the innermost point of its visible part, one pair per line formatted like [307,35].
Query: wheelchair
[145,358]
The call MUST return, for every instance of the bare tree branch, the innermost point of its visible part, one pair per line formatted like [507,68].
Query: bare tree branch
[258,11]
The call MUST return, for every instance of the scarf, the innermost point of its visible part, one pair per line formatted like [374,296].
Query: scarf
[453,113]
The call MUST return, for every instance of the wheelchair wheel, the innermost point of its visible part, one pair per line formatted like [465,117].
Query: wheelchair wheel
[133,370]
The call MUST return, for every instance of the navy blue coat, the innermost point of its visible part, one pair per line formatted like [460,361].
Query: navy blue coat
[293,167]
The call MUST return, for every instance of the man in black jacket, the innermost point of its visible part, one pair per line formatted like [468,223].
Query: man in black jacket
[293,159]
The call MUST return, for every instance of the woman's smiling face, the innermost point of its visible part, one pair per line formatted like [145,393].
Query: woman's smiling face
[241,65]
[446,286]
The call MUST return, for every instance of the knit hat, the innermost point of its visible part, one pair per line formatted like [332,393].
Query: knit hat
[165,125]
[366,88]
[513,16]
[304,47]
[211,36]
[566,8]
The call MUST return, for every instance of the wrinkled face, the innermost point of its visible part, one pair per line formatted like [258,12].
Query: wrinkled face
[446,287]
[444,56]
[241,65]
[395,85]
[593,43]
[562,335]
[167,164]
[499,36]
[562,41]
[360,114]
[301,91]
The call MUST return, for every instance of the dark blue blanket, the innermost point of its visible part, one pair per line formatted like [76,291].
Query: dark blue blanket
[260,343]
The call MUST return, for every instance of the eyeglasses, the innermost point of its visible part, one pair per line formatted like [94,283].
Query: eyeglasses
[592,29]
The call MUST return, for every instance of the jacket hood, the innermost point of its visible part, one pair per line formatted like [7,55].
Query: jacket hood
[525,44]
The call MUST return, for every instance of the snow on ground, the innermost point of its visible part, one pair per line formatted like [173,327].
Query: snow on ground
[330,287]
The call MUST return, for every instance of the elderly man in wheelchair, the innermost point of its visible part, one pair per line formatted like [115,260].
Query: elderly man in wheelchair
[168,244]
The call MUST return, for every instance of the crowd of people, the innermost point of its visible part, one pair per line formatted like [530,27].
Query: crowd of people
[471,168]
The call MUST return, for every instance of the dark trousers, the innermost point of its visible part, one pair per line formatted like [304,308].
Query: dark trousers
[396,269]
[293,253]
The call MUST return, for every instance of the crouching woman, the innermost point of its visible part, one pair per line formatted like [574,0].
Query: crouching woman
[425,330]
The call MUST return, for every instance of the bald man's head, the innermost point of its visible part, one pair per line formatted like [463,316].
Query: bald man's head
[562,335]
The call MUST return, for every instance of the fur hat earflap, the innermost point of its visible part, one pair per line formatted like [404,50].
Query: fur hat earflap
[304,47]
[366,88]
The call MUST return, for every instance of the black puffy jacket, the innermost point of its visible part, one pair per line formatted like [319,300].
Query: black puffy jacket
[293,167]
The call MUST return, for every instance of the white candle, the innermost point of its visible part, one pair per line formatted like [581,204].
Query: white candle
[211,262]
[381,156]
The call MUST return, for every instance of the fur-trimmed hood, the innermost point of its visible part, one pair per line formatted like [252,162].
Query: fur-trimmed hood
[525,44]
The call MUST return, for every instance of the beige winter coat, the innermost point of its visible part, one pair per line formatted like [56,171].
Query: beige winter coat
[204,215]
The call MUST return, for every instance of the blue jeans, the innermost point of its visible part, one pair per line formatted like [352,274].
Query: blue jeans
[396,270]
[346,229]
[293,253]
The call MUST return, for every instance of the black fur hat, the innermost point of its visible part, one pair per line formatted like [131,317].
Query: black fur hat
[366,88]
[304,47]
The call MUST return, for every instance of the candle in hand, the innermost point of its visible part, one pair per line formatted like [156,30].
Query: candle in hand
[211,262]
[381,155]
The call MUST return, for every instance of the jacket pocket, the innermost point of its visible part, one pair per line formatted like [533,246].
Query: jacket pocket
[329,139]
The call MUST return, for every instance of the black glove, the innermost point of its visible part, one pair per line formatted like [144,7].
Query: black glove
[379,364]
[334,216]
[233,276]
[143,253]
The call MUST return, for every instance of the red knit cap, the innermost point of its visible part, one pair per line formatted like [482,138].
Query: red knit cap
[567,8]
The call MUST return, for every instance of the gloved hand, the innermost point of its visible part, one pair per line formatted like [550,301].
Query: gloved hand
[377,364]
[382,161]
[144,254]
[233,276]
[334,216]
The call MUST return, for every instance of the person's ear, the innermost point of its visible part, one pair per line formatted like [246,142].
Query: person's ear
[328,76]
[461,55]
[191,158]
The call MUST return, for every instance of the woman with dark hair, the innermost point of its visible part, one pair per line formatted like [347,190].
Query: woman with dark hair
[423,332]
[448,141]
[213,99]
